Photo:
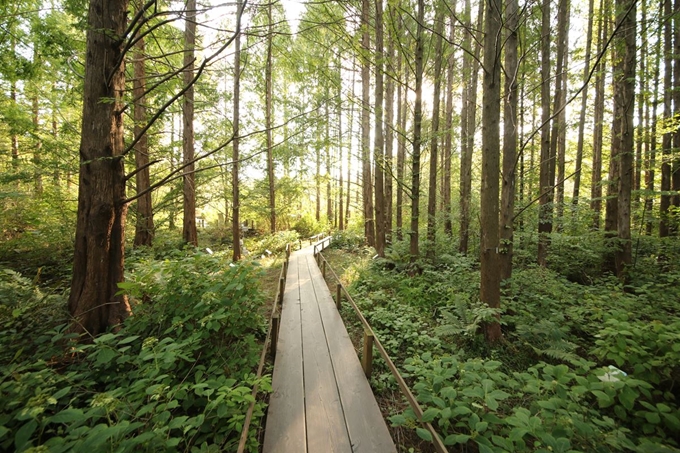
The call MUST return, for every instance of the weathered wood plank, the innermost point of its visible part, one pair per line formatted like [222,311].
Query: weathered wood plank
[366,426]
[326,428]
[286,427]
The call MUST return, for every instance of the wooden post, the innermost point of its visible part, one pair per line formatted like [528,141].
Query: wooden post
[367,359]
[338,296]
[285,268]
[282,284]
[323,269]
[275,335]
[287,252]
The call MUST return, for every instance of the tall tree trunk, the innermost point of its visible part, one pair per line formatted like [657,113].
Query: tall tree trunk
[651,142]
[236,201]
[379,139]
[269,111]
[584,105]
[490,285]
[667,139]
[434,141]
[94,301]
[468,121]
[144,228]
[367,179]
[448,140]
[600,85]
[560,125]
[547,164]
[417,126]
[641,101]
[509,140]
[329,196]
[341,194]
[402,103]
[675,167]
[389,140]
[37,147]
[189,223]
[624,108]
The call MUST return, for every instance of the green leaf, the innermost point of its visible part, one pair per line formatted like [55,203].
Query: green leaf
[481,427]
[456,439]
[653,417]
[460,410]
[398,420]
[62,392]
[430,414]
[67,416]
[424,434]
[23,435]
[484,448]
[627,398]
[517,434]
[128,340]
[491,403]
[105,355]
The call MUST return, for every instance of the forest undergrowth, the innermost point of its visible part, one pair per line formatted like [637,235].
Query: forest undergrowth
[176,376]
[585,365]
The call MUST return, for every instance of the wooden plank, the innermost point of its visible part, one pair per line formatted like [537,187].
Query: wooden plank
[326,429]
[365,424]
[286,427]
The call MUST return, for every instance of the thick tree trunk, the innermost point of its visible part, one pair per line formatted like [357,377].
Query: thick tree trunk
[367,178]
[417,126]
[547,164]
[389,142]
[379,139]
[236,199]
[189,223]
[490,285]
[269,110]
[144,228]
[434,141]
[100,230]
[624,108]
[509,140]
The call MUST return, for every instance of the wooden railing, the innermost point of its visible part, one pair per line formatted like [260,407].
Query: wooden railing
[371,341]
[320,246]
[273,335]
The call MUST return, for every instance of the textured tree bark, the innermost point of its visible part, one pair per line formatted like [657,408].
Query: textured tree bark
[651,143]
[560,126]
[100,230]
[675,167]
[417,125]
[144,228]
[624,108]
[434,141]
[547,164]
[236,199]
[189,233]
[389,141]
[379,139]
[402,102]
[490,287]
[448,139]
[509,140]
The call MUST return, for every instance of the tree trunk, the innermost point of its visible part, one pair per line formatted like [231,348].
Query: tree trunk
[379,139]
[144,228]
[490,285]
[624,108]
[650,149]
[269,110]
[100,230]
[584,105]
[329,196]
[560,125]
[547,164]
[509,140]
[434,141]
[389,141]
[468,123]
[236,201]
[189,224]
[675,167]
[448,140]
[367,179]
[417,126]
[600,85]
[341,194]
[402,103]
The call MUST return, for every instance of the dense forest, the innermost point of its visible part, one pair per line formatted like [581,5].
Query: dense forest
[502,181]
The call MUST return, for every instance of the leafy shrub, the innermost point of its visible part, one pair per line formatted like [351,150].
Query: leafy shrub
[347,239]
[176,376]
[275,243]
[308,226]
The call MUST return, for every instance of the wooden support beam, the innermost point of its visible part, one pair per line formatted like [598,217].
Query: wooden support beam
[367,359]
[323,269]
[282,285]
[338,296]
[275,334]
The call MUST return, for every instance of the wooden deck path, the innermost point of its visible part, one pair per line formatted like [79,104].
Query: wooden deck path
[321,400]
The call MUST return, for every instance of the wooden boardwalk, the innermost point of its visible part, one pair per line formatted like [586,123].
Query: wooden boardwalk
[321,400]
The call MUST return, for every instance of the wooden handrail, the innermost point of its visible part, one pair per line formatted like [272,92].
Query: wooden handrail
[406,391]
[263,355]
